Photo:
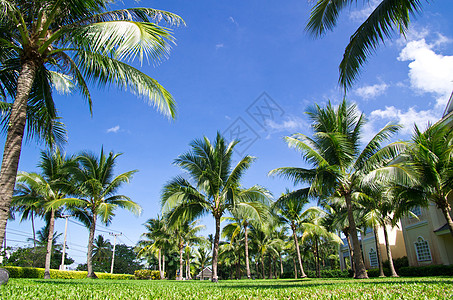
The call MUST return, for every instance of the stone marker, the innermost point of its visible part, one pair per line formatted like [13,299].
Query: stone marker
[4,276]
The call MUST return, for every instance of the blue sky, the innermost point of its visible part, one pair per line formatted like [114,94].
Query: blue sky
[228,55]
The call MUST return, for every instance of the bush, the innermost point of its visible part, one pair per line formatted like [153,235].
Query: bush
[336,273]
[147,274]
[25,272]
[375,272]
[397,263]
[434,270]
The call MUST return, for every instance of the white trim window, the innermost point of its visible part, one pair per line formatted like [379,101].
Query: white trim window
[373,258]
[416,211]
[422,249]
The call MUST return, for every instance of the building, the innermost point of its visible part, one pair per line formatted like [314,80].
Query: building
[205,274]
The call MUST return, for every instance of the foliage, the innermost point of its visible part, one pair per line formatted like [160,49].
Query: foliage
[398,263]
[24,272]
[147,274]
[375,288]
[375,272]
[329,274]
[434,270]
[27,257]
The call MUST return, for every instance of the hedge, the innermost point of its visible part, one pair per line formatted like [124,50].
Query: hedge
[329,274]
[433,270]
[147,274]
[24,272]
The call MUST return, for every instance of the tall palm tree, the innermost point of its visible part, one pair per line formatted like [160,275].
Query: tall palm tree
[95,194]
[386,18]
[102,249]
[156,238]
[289,208]
[213,186]
[340,166]
[51,186]
[430,153]
[68,43]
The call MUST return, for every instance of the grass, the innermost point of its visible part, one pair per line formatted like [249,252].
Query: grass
[381,288]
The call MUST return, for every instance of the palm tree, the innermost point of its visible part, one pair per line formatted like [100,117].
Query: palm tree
[102,249]
[289,208]
[185,233]
[95,194]
[51,186]
[213,187]
[67,44]
[156,237]
[203,258]
[340,166]
[430,153]
[312,227]
[387,17]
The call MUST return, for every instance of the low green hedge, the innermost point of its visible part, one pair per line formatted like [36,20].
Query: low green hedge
[329,274]
[375,272]
[434,270]
[147,274]
[23,272]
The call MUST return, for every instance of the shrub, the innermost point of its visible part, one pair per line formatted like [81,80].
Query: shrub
[147,274]
[375,272]
[25,272]
[336,273]
[397,263]
[434,270]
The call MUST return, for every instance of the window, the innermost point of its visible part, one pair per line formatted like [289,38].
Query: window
[373,258]
[368,230]
[416,211]
[422,250]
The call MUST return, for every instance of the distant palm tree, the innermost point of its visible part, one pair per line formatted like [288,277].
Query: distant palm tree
[213,187]
[68,44]
[203,258]
[102,249]
[341,167]
[95,194]
[52,186]
[386,18]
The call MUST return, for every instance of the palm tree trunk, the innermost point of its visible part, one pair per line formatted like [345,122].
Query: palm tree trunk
[90,248]
[378,252]
[34,237]
[181,262]
[296,242]
[215,251]
[360,270]
[389,253]
[281,264]
[188,267]
[318,271]
[13,144]
[445,208]
[270,267]
[162,276]
[239,263]
[262,267]
[159,257]
[49,244]
[247,264]
[295,268]
[351,250]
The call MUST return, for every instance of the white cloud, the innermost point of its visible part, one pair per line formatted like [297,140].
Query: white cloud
[289,124]
[371,91]
[232,20]
[428,71]
[219,45]
[361,14]
[114,129]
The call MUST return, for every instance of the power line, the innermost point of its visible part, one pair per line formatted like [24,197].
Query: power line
[20,234]
[20,231]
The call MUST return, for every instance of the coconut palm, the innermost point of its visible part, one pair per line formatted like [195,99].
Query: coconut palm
[213,186]
[156,238]
[51,186]
[341,167]
[203,257]
[102,249]
[67,44]
[95,194]
[430,153]
[386,18]
[289,208]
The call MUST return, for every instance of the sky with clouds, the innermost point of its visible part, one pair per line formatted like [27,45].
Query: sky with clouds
[248,69]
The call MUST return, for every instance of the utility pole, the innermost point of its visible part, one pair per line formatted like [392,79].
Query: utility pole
[114,245]
[62,266]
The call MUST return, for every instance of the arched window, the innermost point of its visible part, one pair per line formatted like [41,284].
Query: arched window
[422,249]
[373,258]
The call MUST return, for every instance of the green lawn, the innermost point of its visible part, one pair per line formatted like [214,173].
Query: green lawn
[386,288]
